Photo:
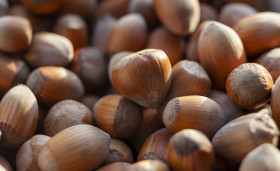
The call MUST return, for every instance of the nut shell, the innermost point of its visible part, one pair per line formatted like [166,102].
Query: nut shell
[249,86]
[51,84]
[193,112]
[80,147]
[143,77]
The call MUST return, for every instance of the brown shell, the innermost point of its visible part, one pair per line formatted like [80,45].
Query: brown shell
[249,86]
[15,34]
[18,116]
[180,17]
[49,49]
[42,6]
[143,77]
[193,112]
[190,149]
[51,84]
[80,147]
[145,165]
[64,114]
[259,32]
[129,34]
[217,61]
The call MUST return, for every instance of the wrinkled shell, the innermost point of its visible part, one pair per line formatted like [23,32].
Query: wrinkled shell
[249,86]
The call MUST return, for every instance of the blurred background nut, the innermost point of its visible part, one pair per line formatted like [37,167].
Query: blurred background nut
[12,72]
[231,13]
[207,12]
[180,17]
[190,149]
[118,116]
[91,66]
[129,34]
[4,7]
[271,61]
[42,6]
[83,8]
[51,84]
[145,8]
[15,34]
[275,98]
[116,8]
[28,153]
[101,31]
[18,116]
[171,44]
[49,49]
[74,28]
[249,86]
[39,23]
[64,114]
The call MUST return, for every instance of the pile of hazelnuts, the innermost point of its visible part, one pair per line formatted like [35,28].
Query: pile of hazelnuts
[139,85]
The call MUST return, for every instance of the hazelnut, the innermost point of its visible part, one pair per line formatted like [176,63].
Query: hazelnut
[5,165]
[154,148]
[180,17]
[259,32]
[102,30]
[190,149]
[80,147]
[27,155]
[171,44]
[271,61]
[231,13]
[12,72]
[217,61]
[117,116]
[64,114]
[83,8]
[90,65]
[42,6]
[143,77]
[74,28]
[249,86]
[242,135]
[49,49]
[145,8]
[18,116]
[207,12]
[193,112]
[129,34]
[51,84]
[118,152]
[274,102]
[116,8]
[15,34]
[4,7]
